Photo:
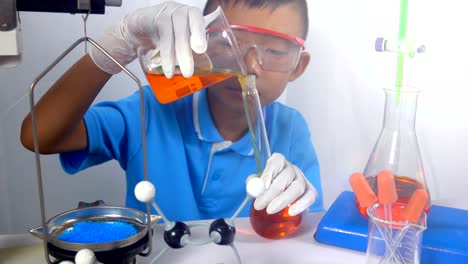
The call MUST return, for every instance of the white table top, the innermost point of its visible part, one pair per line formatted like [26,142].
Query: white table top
[300,247]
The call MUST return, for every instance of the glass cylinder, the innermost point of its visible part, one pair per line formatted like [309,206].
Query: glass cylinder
[270,226]
[397,148]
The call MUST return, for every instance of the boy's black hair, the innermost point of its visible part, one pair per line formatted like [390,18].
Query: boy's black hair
[302,8]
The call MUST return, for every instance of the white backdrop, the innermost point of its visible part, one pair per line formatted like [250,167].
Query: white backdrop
[340,95]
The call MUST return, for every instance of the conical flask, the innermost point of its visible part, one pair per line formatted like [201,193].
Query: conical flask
[397,148]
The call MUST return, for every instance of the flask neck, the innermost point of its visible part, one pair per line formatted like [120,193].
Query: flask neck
[400,109]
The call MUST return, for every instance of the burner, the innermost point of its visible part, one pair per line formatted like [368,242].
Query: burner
[125,255]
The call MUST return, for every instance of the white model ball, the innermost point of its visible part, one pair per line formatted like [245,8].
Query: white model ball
[66,262]
[145,191]
[85,256]
[255,186]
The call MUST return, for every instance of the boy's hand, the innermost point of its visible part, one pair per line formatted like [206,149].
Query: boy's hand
[285,183]
[173,28]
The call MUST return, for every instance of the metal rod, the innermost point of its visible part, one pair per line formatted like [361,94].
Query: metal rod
[45,234]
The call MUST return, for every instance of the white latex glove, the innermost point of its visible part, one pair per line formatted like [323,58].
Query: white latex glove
[173,28]
[285,183]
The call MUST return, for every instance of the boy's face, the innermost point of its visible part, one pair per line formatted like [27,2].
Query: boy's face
[270,84]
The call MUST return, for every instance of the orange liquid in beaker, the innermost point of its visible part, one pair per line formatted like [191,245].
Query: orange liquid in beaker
[169,90]
[274,226]
[405,187]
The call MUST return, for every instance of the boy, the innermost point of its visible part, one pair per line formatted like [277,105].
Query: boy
[198,147]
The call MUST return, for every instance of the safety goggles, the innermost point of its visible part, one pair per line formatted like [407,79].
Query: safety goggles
[274,51]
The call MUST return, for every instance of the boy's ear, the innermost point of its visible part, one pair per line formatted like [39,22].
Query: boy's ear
[304,59]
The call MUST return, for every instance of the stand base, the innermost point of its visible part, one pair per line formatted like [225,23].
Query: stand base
[444,241]
[125,255]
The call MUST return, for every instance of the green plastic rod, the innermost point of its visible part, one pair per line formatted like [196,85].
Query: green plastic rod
[401,37]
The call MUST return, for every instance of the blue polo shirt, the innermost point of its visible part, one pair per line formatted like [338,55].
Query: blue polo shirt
[196,173]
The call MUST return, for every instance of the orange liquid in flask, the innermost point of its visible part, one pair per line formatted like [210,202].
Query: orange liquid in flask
[169,90]
[405,187]
[273,226]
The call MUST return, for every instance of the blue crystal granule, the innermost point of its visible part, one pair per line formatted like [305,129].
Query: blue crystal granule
[98,232]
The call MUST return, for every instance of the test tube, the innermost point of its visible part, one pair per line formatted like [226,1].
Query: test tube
[387,194]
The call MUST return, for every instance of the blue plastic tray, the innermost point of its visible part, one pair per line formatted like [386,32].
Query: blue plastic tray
[444,241]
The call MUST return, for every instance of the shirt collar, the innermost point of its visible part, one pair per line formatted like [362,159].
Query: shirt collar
[206,130]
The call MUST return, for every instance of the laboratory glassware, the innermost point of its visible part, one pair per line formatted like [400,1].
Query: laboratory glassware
[393,242]
[221,61]
[397,149]
[281,223]
[274,226]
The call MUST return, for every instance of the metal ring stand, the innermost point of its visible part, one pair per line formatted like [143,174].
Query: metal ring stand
[45,237]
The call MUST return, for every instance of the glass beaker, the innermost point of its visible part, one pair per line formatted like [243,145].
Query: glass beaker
[393,242]
[221,61]
[397,148]
[270,226]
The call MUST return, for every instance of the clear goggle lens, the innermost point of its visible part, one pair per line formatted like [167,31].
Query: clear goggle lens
[273,51]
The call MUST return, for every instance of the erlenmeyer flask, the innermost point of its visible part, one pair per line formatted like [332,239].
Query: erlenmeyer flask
[397,148]
[280,224]
[221,61]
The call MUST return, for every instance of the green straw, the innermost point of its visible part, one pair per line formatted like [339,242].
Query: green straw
[401,38]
